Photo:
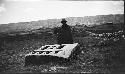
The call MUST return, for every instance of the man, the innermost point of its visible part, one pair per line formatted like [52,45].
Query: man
[63,33]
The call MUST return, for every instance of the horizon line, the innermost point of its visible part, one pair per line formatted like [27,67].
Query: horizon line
[57,18]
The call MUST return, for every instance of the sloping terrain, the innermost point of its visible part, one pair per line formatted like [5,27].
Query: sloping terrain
[101,47]
[99,53]
[87,20]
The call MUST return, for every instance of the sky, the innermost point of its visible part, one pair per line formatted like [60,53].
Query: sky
[13,11]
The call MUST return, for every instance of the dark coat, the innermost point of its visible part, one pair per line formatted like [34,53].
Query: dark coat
[64,35]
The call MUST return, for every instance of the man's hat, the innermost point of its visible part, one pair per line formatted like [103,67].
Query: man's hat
[63,20]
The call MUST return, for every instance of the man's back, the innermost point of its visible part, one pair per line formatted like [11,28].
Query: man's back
[64,35]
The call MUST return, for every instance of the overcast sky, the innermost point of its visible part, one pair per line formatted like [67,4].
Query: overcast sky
[12,11]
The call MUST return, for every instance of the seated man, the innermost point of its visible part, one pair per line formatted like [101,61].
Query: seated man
[63,33]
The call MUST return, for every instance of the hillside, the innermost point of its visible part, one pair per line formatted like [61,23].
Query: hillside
[87,20]
[98,53]
[101,52]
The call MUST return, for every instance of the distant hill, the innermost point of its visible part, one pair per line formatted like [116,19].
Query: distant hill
[50,23]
